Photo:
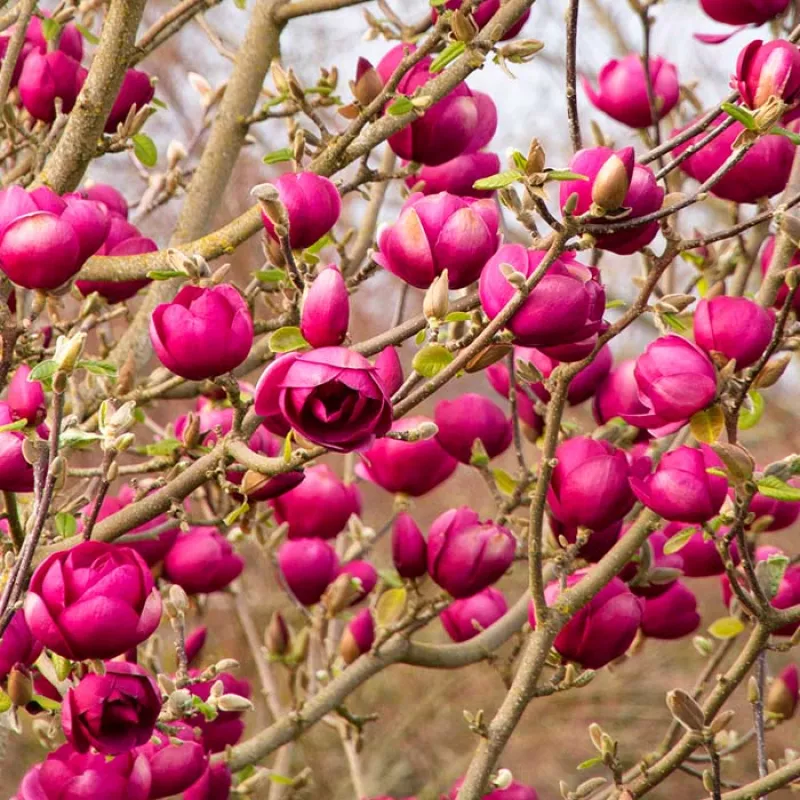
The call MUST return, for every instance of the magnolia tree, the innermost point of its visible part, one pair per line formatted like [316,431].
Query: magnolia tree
[124,510]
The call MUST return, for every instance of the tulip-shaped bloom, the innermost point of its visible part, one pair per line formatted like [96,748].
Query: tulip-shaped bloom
[643,197]
[332,396]
[308,566]
[16,474]
[768,70]
[498,377]
[137,90]
[363,576]
[389,369]
[112,198]
[466,555]
[113,712]
[45,239]
[17,645]
[410,468]
[744,12]
[516,791]
[457,176]
[482,13]
[214,784]
[194,643]
[783,693]
[783,513]
[622,92]
[214,420]
[326,310]
[589,486]
[26,398]
[409,550]
[174,767]
[468,418]
[439,232]
[67,774]
[681,488]
[466,618]
[676,379]
[96,600]
[227,727]
[700,555]
[123,239]
[602,630]
[320,506]
[737,327]
[202,561]
[446,129]
[565,307]
[766,259]
[358,637]
[600,542]
[46,78]
[788,596]
[583,385]
[202,333]
[312,205]
[618,396]
[763,172]
[672,614]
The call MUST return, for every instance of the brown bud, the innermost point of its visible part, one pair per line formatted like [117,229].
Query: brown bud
[20,685]
[738,461]
[685,709]
[611,184]
[279,78]
[348,647]
[491,354]
[252,482]
[463,26]
[368,85]
[277,636]
[436,304]
[339,595]
[536,158]
[191,433]
[772,372]
[782,694]
[270,202]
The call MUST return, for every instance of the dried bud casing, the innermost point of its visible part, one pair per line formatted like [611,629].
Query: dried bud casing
[348,647]
[611,185]
[782,695]
[536,158]
[368,84]
[463,26]
[20,685]
[277,636]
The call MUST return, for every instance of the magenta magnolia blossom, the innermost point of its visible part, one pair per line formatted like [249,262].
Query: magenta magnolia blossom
[17,646]
[137,90]
[202,333]
[67,774]
[26,398]
[389,369]
[672,614]
[582,386]
[113,712]
[498,377]
[457,176]
[409,549]
[47,77]
[464,619]
[96,600]
[214,784]
[603,629]
[45,239]
[312,204]
[644,196]
[439,232]
[701,558]
[516,791]
[332,396]
[623,94]
[744,12]
[737,327]
[589,486]
[396,465]
[360,634]
[326,309]
[468,418]
[600,541]
[16,474]
[768,70]
[466,555]
[228,726]
[566,306]
[308,566]
[618,396]
[681,488]
[202,561]
[362,575]
[782,513]
[174,766]
[482,13]
[763,172]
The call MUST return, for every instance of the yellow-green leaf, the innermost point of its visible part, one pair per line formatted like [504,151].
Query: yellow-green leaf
[287,339]
[431,360]
[144,149]
[707,425]
[505,482]
[726,628]
[752,411]
[678,541]
[499,181]
[390,607]
[774,487]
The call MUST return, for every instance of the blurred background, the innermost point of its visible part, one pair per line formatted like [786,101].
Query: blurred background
[420,743]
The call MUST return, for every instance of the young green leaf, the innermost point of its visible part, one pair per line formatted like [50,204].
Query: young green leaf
[144,149]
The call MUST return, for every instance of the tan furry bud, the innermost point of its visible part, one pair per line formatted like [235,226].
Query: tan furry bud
[436,304]
[611,184]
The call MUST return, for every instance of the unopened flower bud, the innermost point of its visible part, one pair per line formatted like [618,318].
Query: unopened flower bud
[20,685]
[176,152]
[436,304]
[772,372]
[686,710]
[270,202]
[68,351]
[613,180]
[536,158]
[368,84]
[234,702]
[277,636]
[190,437]
[358,637]
[463,27]
[279,78]
[178,598]
[783,693]
[503,779]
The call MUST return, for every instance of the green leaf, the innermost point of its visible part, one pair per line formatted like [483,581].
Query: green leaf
[438,3]
[241,4]
[792,137]
[281,780]
[520,162]
[674,321]
[720,473]
[17,425]
[104,368]
[46,703]
[478,455]
[447,56]
[498,181]
[420,337]
[287,447]
[616,303]
[165,447]
[144,149]
[695,259]
[678,541]
[43,371]
[5,701]
[707,425]
[62,666]
[390,607]
[564,175]
[165,274]
[402,105]
[391,578]
[66,524]
[458,316]
[431,360]
[50,29]
[775,567]
[319,245]
[740,114]
[590,762]
[270,275]
[209,712]
[774,487]
[278,156]
[87,34]
[505,482]
[285,340]
[236,513]
[726,628]
[751,412]
[77,439]
[158,103]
